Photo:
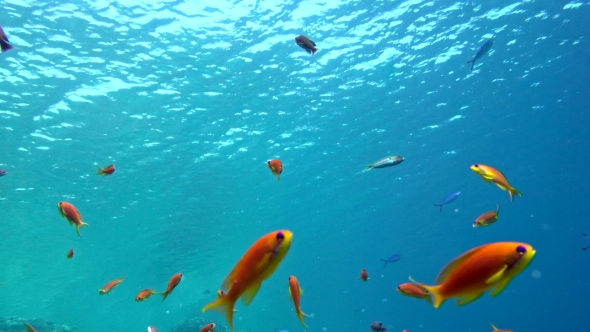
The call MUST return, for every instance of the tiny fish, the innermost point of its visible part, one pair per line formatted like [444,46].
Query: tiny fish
[72,215]
[296,292]
[414,290]
[449,199]
[4,43]
[392,259]
[378,326]
[385,162]
[109,170]
[70,253]
[364,275]
[206,292]
[490,174]
[174,281]
[276,167]
[110,286]
[498,330]
[487,45]
[588,247]
[153,329]
[487,218]
[29,328]
[307,44]
[3,172]
[209,328]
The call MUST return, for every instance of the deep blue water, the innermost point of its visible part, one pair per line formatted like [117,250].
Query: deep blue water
[189,99]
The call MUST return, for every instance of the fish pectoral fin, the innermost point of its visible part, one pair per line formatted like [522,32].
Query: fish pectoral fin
[290,294]
[466,299]
[498,276]
[488,180]
[301,291]
[501,187]
[500,286]
[251,293]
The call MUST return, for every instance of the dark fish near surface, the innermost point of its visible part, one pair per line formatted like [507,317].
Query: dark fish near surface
[4,43]
[3,172]
[449,199]
[307,44]
[378,326]
[483,49]
[586,248]
[385,162]
[392,259]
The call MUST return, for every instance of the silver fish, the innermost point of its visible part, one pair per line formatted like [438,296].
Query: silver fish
[482,51]
[385,162]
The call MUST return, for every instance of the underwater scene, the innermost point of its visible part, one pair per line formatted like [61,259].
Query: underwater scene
[294,166]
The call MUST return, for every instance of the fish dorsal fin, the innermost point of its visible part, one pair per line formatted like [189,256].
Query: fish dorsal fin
[466,299]
[498,209]
[493,327]
[497,276]
[500,286]
[251,293]
[446,272]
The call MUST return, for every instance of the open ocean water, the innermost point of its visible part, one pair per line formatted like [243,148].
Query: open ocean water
[189,99]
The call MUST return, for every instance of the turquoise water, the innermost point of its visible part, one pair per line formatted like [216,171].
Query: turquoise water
[189,99]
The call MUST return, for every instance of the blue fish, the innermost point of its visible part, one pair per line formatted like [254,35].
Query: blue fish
[394,258]
[449,199]
[482,51]
[3,172]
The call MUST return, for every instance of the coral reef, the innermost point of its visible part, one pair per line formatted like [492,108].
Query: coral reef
[15,324]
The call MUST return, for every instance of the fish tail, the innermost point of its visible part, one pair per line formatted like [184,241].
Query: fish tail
[440,206]
[164,294]
[436,298]
[225,306]
[5,46]
[80,226]
[279,177]
[100,170]
[513,191]
[384,265]
[313,51]
[472,62]
[300,314]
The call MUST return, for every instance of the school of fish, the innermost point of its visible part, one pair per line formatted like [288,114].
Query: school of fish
[489,267]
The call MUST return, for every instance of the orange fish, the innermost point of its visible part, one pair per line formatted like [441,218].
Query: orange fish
[295,291]
[4,43]
[479,270]
[145,294]
[414,290]
[70,253]
[364,275]
[109,286]
[487,218]
[109,170]
[490,174]
[276,166]
[257,265]
[209,328]
[71,214]
[171,285]
[498,330]
[29,328]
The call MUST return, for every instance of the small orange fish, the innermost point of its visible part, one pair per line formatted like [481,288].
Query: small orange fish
[172,284]
[144,295]
[29,328]
[487,218]
[490,174]
[258,264]
[70,253]
[71,214]
[4,43]
[295,291]
[109,170]
[276,167]
[364,275]
[414,290]
[109,286]
[498,330]
[479,270]
[209,327]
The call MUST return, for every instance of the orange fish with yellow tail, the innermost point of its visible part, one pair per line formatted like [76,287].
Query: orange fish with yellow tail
[495,329]
[490,174]
[72,215]
[209,328]
[257,265]
[364,275]
[109,170]
[276,167]
[487,218]
[491,266]
[109,286]
[174,281]
[412,289]
[296,292]
[145,294]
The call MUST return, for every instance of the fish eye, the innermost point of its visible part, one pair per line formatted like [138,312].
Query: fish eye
[289,278]
[476,165]
[521,249]
[280,236]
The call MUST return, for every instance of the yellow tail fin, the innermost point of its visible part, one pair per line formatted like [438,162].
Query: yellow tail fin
[436,298]
[78,226]
[225,306]
[513,191]
[301,315]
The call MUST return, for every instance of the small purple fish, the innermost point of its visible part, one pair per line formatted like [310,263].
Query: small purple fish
[449,199]
[394,258]
[3,172]
[378,327]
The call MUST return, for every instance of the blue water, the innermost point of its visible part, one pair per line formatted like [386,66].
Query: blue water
[189,99]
